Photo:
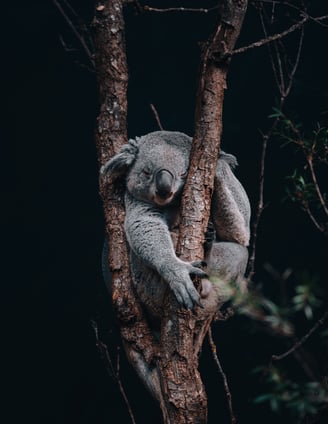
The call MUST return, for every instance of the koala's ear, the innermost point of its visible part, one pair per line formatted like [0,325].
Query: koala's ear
[119,164]
[230,159]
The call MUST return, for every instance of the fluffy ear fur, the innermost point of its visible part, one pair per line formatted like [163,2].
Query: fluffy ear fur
[230,159]
[119,163]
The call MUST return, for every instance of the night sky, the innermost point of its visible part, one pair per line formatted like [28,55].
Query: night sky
[53,221]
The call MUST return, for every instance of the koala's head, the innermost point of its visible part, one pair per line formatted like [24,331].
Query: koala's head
[155,166]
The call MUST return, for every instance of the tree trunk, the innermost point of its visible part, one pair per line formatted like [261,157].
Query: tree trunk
[111,134]
[169,368]
[183,332]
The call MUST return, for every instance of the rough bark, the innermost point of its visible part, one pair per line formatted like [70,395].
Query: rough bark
[169,369]
[111,134]
[182,331]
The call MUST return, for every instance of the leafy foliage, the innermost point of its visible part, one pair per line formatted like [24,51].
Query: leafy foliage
[307,296]
[285,392]
[304,186]
[284,395]
[280,389]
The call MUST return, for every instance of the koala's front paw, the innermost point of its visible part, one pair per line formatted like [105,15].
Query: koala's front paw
[182,286]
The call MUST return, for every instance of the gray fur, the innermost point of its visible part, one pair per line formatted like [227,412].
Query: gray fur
[155,167]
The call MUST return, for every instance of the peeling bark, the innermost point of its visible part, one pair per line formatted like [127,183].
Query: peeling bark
[169,369]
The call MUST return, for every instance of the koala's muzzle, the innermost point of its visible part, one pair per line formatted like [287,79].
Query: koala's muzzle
[164,183]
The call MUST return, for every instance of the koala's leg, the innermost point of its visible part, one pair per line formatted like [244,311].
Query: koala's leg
[226,261]
[230,206]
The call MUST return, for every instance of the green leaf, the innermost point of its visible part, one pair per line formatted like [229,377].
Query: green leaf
[263,398]
[308,312]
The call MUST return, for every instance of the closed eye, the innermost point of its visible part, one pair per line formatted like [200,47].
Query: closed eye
[184,174]
[146,172]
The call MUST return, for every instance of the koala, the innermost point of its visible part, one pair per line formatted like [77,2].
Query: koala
[155,167]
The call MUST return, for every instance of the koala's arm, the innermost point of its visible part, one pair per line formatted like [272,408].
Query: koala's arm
[149,238]
[230,204]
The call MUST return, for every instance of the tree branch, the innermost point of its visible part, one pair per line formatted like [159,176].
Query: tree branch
[182,332]
[224,377]
[280,35]
[299,343]
[160,126]
[77,34]
[111,133]
[102,348]
[316,184]
[169,368]
[284,92]
[318,226]
[271,38]
[179,9]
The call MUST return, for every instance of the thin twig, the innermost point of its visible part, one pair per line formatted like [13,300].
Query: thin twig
[265,139]
[273,65]
[76,33]
[313,219]
[282,3]
[299,343]
[296,63]
[277,68]
[65,46]
[179,9]
[280,35]
[82,24]
[309,160]
[122,388]
[281,86]
[160,126]
[70,8]
[225,381]
[271,37]
[302,11]
[316,184]
[260,203]
[273,13]
[284,92]
[103,350]
[319,19]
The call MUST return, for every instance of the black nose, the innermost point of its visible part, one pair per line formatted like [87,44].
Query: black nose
[164,180]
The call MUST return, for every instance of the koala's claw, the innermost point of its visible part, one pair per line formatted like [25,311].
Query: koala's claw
[199,264]
[183,287]
[198,303]
[197,272]
[187,298]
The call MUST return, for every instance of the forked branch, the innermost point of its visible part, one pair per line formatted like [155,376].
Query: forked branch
[168,367]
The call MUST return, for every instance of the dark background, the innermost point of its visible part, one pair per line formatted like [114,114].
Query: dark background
[53,224]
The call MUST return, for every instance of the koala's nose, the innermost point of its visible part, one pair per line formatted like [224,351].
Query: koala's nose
[164,180]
